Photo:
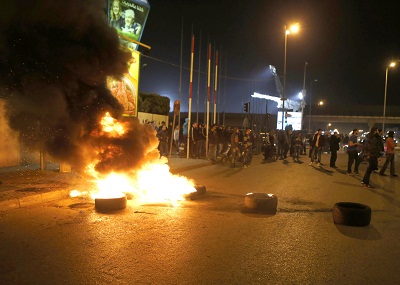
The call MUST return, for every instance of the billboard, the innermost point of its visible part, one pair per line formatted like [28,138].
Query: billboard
[126,89]
[128,17]
[292,119]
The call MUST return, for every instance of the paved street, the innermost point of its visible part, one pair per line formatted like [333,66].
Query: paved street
[211,240]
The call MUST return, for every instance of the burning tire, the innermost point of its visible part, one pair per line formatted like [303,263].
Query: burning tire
[110,204]
[351,214]
[200,190]
[261,201]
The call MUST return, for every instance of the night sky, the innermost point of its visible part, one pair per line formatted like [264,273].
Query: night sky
[347,45]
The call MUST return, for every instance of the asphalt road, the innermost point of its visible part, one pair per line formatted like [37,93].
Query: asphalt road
[211,240]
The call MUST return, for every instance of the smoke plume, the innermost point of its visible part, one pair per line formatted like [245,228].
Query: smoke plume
[55,56]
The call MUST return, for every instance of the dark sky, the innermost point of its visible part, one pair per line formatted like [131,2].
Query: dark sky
[347,45]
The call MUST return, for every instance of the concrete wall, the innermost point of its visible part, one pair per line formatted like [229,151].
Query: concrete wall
[157,119]
[10,153]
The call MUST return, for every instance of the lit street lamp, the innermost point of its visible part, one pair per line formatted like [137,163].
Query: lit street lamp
[392,64]
[321,103]
[328,127]
[293,29]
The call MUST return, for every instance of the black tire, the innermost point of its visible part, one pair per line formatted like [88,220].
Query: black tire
[351,214]
[201,189]
[110,204]
[261,201]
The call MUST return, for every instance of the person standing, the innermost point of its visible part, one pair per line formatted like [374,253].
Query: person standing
[298,146]
[334,147]
[212,143]
[176,137]
[193,139]
[248,148]
[390,145]
[371,150]
[352,152]
[234,146]
[163,139]
[318,143]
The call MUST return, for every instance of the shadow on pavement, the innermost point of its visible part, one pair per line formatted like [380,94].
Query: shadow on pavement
[363,233]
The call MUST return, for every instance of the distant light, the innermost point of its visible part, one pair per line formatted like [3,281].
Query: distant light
[301,95]
[320,103]
[392,64]
[273,69]
[268,97]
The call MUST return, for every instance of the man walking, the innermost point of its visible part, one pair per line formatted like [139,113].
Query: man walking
[352,153]
[390,145]
[372,150]
[334,147]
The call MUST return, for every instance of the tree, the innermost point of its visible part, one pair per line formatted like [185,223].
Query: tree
[153,103]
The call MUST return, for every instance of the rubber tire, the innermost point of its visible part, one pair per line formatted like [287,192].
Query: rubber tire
[110,204]
[261,201]
[351,214]
[200,189]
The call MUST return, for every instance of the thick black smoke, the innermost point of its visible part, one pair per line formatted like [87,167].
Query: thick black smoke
[55,56]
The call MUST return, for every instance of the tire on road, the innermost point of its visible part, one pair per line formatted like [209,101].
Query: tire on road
[200,190]
[110,204]
[261,201]
[351,214]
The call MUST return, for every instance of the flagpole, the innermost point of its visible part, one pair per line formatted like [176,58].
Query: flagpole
[208,94]
[190,97]
[215,87]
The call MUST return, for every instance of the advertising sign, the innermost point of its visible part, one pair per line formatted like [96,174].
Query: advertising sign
[128,17]
[292,119]
[126,90]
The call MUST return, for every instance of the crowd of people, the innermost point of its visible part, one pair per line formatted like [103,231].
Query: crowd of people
[238,145]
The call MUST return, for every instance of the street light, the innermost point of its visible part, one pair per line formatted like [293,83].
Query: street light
[321,103]
[293,29]
[392,64]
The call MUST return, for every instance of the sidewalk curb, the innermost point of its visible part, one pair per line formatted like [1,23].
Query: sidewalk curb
[53,195]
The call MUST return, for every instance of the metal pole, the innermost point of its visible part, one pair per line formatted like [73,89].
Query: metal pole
[384,102]
[284,82]
[304,95]
[309,114]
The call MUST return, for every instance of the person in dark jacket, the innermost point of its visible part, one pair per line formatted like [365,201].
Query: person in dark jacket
[334,147]
[318,143]
[234,146]
[163,139]
[212,143]
[372,150]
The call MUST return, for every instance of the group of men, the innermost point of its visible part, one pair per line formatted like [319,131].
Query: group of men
[370,150]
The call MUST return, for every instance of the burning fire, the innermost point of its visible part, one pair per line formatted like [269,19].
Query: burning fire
[151,183]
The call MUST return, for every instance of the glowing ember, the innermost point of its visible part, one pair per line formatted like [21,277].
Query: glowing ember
[151,183]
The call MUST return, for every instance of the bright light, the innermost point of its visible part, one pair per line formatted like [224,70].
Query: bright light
[273,69]
[293,29]
[392,64]
[321,103]
[268,97]
[301,95]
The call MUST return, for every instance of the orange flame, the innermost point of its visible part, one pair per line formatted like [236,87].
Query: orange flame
[153,182]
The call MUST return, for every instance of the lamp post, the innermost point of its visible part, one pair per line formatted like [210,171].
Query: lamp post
[392,64]
[309,110]
[293,29]
[303,95]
